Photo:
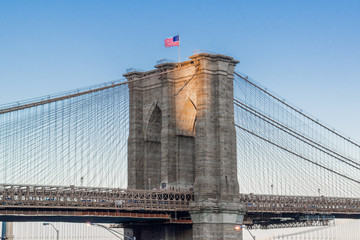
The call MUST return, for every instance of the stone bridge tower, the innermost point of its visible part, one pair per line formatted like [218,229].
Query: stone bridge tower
[182,136]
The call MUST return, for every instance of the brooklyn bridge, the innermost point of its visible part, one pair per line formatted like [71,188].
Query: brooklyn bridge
[190,150]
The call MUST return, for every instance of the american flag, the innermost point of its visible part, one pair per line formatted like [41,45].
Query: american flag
[171,42]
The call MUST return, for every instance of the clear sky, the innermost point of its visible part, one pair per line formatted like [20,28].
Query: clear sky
[306,51]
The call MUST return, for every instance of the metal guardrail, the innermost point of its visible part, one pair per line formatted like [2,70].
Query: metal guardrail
[134,70]
[71,197]
[300,204]
[32,196]
[292,224]
[164,60]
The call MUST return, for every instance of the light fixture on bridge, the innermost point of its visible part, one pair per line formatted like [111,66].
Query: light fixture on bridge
[237,227]
[57,231]
[240,227]
[112,231]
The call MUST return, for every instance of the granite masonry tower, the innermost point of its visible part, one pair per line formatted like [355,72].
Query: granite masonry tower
[182,136]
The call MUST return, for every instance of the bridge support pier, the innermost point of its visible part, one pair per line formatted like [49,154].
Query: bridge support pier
[210,224]
[182,136]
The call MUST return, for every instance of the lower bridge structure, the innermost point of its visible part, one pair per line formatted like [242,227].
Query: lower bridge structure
[109,205]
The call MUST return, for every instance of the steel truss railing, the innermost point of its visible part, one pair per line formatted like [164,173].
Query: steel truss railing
[300,204]
[71,197]
[32,196]
[292,224]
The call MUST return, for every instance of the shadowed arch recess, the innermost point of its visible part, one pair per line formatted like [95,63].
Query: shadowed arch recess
[153,149]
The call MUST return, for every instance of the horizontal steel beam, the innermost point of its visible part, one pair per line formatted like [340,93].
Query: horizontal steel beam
[71,197]
[29,197]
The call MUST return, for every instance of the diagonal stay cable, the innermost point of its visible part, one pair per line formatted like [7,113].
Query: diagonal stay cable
[296,110]
[72,95]
[289,129]
[299,136]
[298,155]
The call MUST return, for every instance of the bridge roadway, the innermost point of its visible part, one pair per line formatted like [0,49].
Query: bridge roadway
[115,205]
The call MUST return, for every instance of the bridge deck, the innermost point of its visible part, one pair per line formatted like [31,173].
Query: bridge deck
[108,203]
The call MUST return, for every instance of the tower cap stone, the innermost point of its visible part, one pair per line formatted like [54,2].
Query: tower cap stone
[214,57]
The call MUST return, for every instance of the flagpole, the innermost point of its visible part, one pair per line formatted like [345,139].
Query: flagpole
[179,51]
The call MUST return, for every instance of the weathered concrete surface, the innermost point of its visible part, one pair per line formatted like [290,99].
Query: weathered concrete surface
[162,119]
[182,135]
[216,208]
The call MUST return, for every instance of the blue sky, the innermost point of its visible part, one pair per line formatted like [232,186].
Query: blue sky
[308,52]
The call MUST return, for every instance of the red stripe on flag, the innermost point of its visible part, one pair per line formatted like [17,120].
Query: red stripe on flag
[170,43]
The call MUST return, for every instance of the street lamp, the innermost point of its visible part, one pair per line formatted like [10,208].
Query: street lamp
[112,231]
[239,227]
[57,231]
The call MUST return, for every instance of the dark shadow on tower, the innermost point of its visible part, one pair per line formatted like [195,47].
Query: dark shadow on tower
[153,150]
